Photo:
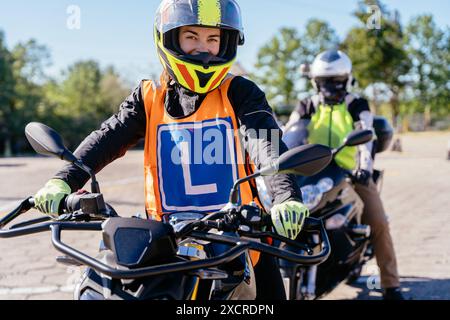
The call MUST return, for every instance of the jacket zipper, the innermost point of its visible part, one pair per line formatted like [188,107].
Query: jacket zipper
[329,127]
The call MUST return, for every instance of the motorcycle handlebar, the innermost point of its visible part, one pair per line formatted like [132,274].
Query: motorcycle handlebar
[98,209]
[239,245]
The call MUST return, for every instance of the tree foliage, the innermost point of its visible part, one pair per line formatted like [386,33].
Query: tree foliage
[279,60]
[84,98]
[379,55]
[428,48]
[75,105]
[277,65]
[20,94]
[318,37]
[402,68]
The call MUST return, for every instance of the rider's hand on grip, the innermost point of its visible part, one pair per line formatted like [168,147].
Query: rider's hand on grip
[48,199]
[362,177]
[288,218]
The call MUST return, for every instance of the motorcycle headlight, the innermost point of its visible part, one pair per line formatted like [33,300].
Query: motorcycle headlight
[325,185]
[313,194]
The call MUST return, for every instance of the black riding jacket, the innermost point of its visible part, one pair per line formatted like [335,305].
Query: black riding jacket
[126,128]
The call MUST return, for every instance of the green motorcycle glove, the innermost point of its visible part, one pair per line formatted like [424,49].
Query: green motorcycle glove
[288,218]
[48,199]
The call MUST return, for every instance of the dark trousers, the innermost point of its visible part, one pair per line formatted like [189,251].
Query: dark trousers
[269,283]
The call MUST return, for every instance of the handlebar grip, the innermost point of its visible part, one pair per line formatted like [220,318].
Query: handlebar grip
[267,220]
[90,203]
[72,202]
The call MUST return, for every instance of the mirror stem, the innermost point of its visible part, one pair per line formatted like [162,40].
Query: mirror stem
[95,188]
[234,195]
[337,150]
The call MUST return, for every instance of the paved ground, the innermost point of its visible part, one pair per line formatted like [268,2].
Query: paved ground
[416,195]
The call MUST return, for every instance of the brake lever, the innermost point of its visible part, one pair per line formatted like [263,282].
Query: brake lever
[310,225]
[24,206]
[74,216]
[268,234]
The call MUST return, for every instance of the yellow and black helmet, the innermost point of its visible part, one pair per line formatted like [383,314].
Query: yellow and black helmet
[198,73]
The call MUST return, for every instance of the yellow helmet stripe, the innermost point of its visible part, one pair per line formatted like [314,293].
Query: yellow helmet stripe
[185,73]
[209,13]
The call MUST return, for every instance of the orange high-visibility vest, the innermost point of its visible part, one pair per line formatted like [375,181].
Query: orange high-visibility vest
[173,184]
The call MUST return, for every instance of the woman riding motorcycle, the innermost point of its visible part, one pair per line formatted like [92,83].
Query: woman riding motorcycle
[197,44]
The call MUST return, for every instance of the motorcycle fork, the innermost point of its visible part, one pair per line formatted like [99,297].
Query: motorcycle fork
[289,275]
[307,285]
[300,282]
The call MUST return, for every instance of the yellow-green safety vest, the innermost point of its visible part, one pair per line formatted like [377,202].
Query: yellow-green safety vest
[329,126]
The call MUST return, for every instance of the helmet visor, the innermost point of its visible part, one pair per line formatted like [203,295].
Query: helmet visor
[174,14]
[332,81]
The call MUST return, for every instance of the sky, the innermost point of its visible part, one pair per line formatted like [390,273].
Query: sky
[119,33]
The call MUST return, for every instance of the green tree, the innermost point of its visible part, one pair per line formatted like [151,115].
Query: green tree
[277,65]
[378,55]
[30,61]
[86,96]
[112,91]
[7,84]
[76,105]
[21,92]
[279,60]
[428,47]
[319,36]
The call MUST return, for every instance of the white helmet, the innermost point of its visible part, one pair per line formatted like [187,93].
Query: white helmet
[331,64]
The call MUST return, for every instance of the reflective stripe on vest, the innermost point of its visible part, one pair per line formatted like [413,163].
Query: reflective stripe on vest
[329,126]
[192,163]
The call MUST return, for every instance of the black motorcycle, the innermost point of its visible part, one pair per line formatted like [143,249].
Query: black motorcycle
[187,256]
[331,198]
